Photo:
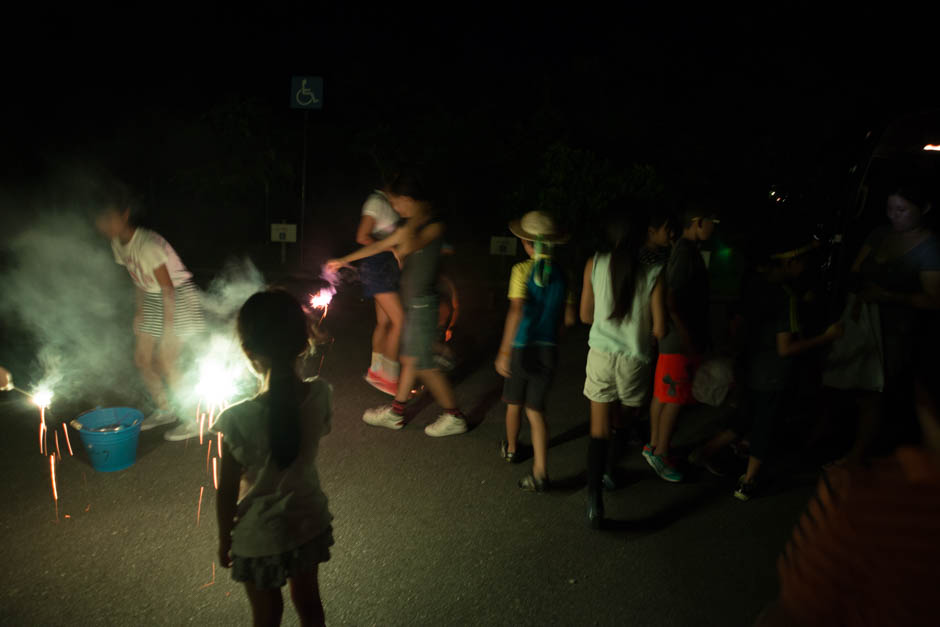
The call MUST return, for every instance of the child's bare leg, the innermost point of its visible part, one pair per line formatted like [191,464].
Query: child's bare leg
[539,430]
[656,412]
[144,360]
[406,379]
[391,307]
[513,426]
[305,592]
[600,420]
[168,358]
[381,328]
[439,387]
[753,467]
[267,605]
[669,415]
[718,442]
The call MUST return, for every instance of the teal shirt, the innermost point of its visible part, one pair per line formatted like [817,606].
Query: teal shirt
[633,335]
[543,309]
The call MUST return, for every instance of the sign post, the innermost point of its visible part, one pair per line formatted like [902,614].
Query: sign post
[306,92]
[284,233]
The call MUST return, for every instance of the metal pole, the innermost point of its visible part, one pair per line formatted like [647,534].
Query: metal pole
[303,190]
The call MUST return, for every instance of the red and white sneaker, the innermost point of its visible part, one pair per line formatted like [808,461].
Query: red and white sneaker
[380,383]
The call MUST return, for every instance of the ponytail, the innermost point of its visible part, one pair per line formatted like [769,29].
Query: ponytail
[283,413]
[625,269]
[273,325]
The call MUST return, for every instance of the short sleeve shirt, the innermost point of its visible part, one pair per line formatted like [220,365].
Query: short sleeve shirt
[379,209]
[772,309]
[143,254]
[544,304]
[279,509]
[687,278]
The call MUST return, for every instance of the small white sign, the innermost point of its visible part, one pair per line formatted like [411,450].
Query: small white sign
[286,233]
[503,245]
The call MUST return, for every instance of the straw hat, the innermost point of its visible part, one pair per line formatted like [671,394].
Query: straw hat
[535,225]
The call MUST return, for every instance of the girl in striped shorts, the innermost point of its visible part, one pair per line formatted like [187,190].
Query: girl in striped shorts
[169,306]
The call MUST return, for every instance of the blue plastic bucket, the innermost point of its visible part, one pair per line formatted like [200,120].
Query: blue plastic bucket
[110,436]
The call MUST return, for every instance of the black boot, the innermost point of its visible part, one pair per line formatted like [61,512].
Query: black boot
[597,459]
[615,447]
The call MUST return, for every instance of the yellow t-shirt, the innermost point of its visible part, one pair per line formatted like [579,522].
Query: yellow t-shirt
[519,278]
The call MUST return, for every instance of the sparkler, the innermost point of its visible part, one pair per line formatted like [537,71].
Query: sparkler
[321,300]
[932,147]
[215,473]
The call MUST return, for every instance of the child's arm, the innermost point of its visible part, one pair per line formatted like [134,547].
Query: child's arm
[658,307]
[420,237]
[226,503]
[571,315]
[513,318]
[677,321]
[789,346]
[364,232]
[587,294]
[374,248]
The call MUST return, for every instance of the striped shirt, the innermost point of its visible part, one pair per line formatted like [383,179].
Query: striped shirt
[867,550]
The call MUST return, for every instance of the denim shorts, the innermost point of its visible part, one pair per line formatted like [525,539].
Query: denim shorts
[421,319]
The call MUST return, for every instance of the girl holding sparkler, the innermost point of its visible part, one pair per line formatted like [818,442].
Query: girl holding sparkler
[169,307]
[274,524]
[418,242]
[380,274]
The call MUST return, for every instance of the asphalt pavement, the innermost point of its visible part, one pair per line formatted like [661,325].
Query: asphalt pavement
[428,531]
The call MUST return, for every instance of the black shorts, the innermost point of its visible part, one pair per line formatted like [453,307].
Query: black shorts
[533,369]
[379,274]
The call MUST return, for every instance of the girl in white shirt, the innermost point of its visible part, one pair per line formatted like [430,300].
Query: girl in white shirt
[274,524]
[169,306]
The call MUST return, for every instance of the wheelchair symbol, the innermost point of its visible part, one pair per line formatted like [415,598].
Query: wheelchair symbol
[305,96]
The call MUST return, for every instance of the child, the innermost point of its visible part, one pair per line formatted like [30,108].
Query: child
[528,353]
[686,340]
[419,244]
[623,300]
[275,527]
[380,274]
[774,343]
[169,307]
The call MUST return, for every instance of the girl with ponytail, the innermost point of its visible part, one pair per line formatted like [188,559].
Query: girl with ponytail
[623,300]
[274,524]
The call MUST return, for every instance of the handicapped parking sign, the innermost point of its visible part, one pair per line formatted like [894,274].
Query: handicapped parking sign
[306,92]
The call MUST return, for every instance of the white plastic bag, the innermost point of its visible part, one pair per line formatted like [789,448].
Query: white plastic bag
[713,381]
[856,361]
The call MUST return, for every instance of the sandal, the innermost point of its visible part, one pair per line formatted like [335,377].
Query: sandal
[530,483]
[504,452]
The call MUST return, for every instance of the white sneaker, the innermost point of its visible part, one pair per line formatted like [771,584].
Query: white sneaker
[157,419]
[383,417]
[185,430]
[446,424]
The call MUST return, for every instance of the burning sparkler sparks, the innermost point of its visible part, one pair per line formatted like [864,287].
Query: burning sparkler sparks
[199,508]
[322,299]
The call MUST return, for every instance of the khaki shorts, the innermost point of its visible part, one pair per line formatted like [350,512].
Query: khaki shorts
[615,377]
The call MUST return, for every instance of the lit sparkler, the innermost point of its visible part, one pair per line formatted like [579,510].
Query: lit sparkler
[322,299]
[932,147]
[215,473]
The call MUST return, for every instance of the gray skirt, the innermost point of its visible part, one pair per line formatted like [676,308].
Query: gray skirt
[187,320]
[273,571]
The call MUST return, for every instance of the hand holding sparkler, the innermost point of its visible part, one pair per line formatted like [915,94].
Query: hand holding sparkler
[333,265]
[6,380]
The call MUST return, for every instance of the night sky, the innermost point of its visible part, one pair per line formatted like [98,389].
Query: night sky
[190,110]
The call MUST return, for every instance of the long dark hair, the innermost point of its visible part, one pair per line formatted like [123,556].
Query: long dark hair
[625,267]
[273,325]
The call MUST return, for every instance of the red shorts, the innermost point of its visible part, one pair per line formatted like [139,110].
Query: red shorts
[672,382]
